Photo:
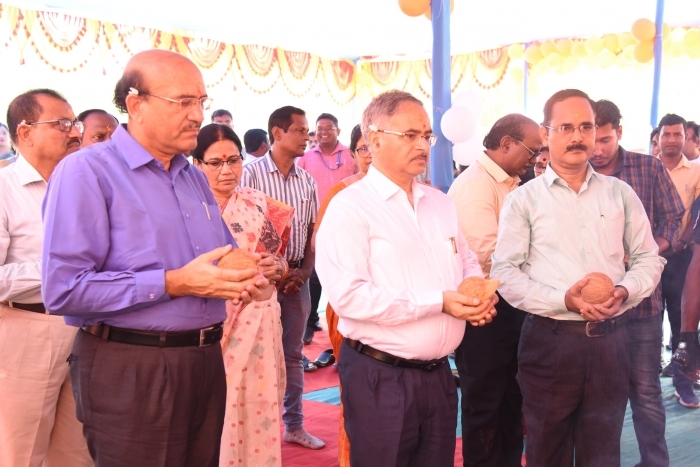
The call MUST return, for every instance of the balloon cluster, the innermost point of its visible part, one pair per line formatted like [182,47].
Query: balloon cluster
[458,124]
[624,49]
[420,7]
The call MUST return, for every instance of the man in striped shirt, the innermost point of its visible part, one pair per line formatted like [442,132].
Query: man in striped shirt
[276,175]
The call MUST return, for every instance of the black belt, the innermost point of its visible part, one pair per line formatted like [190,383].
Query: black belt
[196,338]
[389,359]
[585,328]
[33,307]
[295,264]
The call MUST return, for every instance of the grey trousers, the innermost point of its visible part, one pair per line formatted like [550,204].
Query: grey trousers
[295,313]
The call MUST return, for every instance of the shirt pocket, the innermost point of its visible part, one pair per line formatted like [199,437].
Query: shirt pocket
[612,233]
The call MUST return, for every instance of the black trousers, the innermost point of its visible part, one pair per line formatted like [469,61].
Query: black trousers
[395,416]
[492,415]
[148,406]
[575,392]
[672,280]
[315,291]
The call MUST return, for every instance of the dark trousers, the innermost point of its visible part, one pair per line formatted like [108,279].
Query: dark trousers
[648,413]
[396,416]
[315,292]
[672,280]
[575,392]
[492,415]
[149,406]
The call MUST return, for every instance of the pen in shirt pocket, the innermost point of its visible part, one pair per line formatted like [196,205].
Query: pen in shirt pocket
[454,245]
[206,208]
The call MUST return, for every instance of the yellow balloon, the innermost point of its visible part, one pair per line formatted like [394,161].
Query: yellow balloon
[555,60]
[594,45]
[517,74]
[429,14]
[606,58]
[692,38]
[611,42]
[591,61]
[516,51]
[620,61]
[693,51]
[665,32]
[541,68]
[644,51]
[578,49]
[570,64]
[628,53]
[532,54]
[676,49]
[624,39]
[643,30]
[547,48]
[414,7]
[564,47]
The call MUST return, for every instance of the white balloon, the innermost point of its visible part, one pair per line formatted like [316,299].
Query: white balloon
[458,124]
[470,100]
[468,152]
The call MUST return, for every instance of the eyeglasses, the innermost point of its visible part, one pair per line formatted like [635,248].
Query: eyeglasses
[325,129]
[219,164]
[362,152]
[533,154]
[187,103]
[64,124]
[586,129]
[408,137]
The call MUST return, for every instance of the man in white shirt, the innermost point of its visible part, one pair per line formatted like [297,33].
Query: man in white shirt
[492,406]
[38,424]
[256,144]
[691,147]
[573,364]
[390,256]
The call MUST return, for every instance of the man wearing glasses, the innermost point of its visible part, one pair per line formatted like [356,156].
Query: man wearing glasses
[391,255]
[328,163]
[492,428]
[37,409]
[573,364]
[131,232]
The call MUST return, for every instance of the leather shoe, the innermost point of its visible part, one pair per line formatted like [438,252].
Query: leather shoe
[308,364]
[325,358]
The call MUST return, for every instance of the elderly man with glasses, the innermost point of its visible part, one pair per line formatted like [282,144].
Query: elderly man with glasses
[492,428]
[131,232]
[328,163]
[391,255]
[37,410]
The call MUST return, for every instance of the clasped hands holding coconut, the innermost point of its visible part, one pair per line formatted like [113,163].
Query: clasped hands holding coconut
[474,300]
[595,297]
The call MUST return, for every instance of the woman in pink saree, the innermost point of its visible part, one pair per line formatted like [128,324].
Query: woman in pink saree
[252,342]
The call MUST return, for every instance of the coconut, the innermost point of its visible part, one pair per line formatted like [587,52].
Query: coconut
[239,260]
[478,287]
[599,289]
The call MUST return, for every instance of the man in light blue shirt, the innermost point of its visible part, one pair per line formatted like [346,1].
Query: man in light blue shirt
[573,362]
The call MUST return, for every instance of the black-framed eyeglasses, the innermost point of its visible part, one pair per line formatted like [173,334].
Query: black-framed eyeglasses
[65,125]
[362,152]
[533,154]
[410,138]
[187,102]
[219,164]
[586,129]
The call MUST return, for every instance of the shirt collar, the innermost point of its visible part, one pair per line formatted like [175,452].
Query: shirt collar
[386,188]
[26,173]
[137,156]
[495,170]
[683,163]
[551,176]
[272,167]
[338,147]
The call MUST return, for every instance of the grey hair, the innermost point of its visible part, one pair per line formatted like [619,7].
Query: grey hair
[385,105]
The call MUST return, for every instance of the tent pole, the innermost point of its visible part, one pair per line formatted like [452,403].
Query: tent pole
[658,51]
[441,162]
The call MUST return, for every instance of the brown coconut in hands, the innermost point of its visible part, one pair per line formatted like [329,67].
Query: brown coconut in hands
[239,260]
[478,287]
[599,289]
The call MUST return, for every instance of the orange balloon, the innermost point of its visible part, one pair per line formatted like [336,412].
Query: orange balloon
[414,7]
[644,51]
[643,30]
[429,13]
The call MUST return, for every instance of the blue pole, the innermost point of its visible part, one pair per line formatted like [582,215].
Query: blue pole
[441,162]
[658,51]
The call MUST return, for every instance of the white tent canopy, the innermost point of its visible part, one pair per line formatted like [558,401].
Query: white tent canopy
[358,28]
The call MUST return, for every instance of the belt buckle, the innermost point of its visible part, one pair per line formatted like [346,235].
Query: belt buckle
[430,366]
[201,337]
[590,329]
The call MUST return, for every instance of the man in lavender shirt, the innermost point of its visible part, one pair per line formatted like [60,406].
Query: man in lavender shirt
[131,232]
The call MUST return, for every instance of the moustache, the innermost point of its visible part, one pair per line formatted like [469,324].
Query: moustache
[74,140]
[577,147]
